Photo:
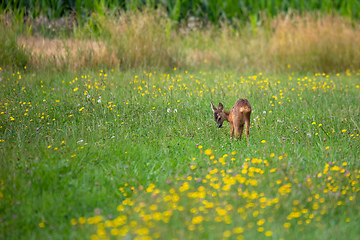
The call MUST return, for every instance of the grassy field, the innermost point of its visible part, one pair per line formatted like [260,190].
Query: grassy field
[136,155]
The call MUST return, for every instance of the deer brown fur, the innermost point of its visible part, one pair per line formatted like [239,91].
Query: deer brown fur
[238,116]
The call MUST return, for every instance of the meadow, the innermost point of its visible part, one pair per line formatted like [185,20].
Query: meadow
[107,132]
[110,154]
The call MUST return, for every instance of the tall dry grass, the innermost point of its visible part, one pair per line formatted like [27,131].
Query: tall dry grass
[150,40]
[328,43]
[69,54]
[306,43]
[144,40]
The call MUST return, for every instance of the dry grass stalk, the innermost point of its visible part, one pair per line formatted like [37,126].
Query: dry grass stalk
[72,53]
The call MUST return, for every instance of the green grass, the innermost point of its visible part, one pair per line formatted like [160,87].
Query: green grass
[148,154]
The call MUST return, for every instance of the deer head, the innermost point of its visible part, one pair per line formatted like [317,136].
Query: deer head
[219,115]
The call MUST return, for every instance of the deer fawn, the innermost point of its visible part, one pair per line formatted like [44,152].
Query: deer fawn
[237,117]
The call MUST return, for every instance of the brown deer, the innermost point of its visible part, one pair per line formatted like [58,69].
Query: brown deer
[237,117]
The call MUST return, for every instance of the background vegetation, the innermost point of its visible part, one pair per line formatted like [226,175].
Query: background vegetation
[272,36]
[181,10]
[150,40]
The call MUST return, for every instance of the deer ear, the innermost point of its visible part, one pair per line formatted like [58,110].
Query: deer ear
[220,107]
[213,107]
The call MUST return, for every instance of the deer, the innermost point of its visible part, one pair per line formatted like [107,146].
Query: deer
[237,117]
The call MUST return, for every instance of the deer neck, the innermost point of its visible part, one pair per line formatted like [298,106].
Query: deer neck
[227,115]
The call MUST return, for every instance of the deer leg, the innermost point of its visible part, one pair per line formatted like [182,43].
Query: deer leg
[247,122]
[231,131]
[241,129]
[238,131]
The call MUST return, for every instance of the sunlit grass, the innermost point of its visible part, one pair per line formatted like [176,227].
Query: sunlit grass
[137,155]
